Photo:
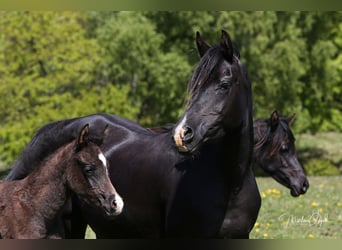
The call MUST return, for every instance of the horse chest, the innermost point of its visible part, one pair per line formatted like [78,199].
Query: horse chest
[198,205]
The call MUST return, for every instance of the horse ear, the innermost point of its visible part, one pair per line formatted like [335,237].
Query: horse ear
[83,136]
[291,119]
[227,46]
[202,46]
[105,132]
[274,120]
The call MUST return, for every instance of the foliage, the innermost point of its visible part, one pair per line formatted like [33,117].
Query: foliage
[57,65]
[320,154]
[321,167]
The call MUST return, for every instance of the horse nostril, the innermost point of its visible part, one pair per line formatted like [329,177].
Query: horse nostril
[188,134]
[114,205]
[305,186]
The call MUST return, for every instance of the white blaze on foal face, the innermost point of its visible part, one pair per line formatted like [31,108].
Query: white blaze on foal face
[103,159]
[118,200]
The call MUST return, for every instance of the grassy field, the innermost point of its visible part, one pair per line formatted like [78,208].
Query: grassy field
[317,214]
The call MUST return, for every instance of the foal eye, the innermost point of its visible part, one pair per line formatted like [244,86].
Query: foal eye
[88,169]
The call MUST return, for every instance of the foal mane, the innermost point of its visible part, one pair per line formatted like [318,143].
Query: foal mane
[45,142]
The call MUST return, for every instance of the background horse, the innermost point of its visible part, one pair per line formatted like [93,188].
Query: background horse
[193,181]
[275,152]
[30,208]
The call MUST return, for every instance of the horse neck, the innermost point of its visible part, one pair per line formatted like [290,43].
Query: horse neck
[48,182]
[237,153]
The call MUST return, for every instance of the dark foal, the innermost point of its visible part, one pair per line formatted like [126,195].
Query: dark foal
[30,208]
[275,152]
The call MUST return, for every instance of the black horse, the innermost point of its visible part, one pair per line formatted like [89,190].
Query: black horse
[195,180]
[275,152]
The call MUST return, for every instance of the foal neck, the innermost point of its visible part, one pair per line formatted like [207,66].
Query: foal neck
[47,184]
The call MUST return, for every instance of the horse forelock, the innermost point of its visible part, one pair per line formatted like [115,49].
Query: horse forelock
[205,68]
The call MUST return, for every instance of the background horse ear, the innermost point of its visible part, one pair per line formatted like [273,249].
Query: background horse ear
[291,118]
[83,136]
[227,46]
[274,120]
[202,46]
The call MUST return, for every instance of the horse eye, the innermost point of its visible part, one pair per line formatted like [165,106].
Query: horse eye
[88,169]
[225,83]
[284,148]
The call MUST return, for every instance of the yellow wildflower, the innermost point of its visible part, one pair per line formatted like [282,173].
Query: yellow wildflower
[265,234]
[314,204]
[311,236]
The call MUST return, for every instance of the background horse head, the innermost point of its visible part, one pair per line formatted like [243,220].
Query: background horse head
[218,96]
[275,152]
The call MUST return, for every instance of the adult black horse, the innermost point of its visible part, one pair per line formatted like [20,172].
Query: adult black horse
[275,152]
[194,181]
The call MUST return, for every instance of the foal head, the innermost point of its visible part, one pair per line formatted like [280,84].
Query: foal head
[87,175]
[219,96]
[275,152]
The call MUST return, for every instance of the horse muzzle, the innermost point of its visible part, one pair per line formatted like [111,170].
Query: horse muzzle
[111,204]
[298,190]
[182,137]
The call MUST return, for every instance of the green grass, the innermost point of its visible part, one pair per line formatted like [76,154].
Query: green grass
[317,214]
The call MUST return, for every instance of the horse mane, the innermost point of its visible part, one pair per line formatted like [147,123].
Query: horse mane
[45,142]
[263,135]
[205,68]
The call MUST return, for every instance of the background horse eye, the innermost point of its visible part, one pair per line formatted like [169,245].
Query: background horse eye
[284,148]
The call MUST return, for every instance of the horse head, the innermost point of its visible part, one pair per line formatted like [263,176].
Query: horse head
[88,175]
[219,96]
[275,152]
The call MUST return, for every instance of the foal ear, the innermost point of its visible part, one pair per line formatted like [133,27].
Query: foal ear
[227,46]
[291,119]
[83,136]
[202,46]
[274,120]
